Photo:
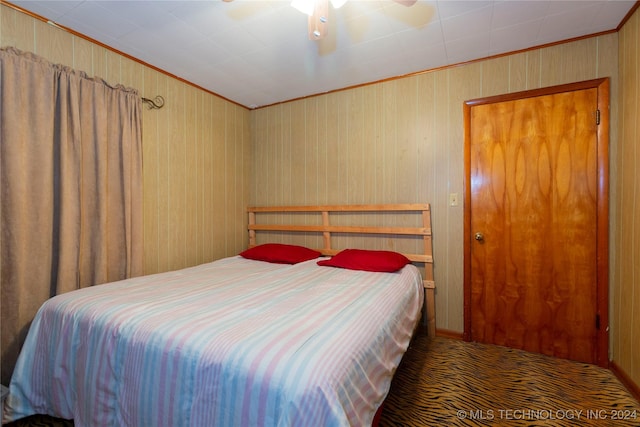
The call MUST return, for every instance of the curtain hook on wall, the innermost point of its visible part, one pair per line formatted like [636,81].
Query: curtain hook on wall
[155,103]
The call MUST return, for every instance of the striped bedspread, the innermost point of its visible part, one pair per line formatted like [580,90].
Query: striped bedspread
[230,343]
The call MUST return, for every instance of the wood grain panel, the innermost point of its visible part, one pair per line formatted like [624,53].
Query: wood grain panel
[339,146]
[625,272]
[518,72]
[176,174]
[567,63]
[406,107]
[368,130]
[163,177]
[83,56]
[375,154]
[389,137]
[113,63]
[52,43]
[207,230]
[100,62]
[150,125]
[298,152]
[389,142]
[469,82]
[199,177]
[240,175]
[499,67]
[424,126]
[437,133]
[534,197]
[325,156]
[440,216]
[634,73]
[218,183]
[285,127]
[534,69]
[17,30]
[191,190]
[315,160]
[627,200]
[356,164]
[260,175]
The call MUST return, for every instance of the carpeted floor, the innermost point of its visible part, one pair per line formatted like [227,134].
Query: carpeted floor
[444,382]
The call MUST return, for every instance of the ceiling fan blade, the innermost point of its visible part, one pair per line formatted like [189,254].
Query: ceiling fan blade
[402,2]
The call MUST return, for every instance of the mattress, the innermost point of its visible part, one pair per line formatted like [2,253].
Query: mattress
[234,342]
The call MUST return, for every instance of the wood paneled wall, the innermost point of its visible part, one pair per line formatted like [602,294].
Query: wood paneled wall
[196,149]
[206,159]
[402,141]
[625,227]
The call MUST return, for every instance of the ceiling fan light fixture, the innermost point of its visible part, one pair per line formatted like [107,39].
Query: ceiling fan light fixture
[304,6]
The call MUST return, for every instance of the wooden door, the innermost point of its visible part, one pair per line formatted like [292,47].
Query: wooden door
[533,201]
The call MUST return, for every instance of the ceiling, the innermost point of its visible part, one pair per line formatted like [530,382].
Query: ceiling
[258,53]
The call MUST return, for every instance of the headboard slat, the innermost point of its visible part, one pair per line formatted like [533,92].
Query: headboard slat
[328,230]
[343,229]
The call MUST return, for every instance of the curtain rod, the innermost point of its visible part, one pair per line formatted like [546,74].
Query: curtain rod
[155,103]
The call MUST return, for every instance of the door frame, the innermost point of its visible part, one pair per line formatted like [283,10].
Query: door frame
[602,201]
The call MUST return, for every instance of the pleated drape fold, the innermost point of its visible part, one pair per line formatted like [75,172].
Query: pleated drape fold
[70,187]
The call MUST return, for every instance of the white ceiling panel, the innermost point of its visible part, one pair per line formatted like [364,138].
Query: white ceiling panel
[257,52]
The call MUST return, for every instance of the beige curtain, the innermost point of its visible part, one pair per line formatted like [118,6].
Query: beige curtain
[70,190]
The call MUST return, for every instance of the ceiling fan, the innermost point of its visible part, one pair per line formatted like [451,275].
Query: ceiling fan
[318,14]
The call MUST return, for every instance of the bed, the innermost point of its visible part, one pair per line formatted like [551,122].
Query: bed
[241,341]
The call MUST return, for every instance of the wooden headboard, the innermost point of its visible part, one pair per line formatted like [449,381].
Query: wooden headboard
[262,219]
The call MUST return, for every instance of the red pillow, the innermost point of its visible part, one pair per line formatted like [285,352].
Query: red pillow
[360,259]
[280,254]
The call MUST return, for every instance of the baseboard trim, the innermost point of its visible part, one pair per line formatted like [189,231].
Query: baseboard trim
[445,333]
[625,380]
